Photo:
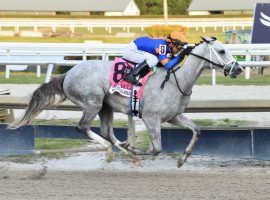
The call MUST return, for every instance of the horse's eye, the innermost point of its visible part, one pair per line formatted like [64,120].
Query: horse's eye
[221,51]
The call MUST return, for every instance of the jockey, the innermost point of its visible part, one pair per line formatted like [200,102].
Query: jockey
[149,51]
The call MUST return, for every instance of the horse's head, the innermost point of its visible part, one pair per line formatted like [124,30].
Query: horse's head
[220,57]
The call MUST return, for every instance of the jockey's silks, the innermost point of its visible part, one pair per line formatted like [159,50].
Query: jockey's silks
[152,45]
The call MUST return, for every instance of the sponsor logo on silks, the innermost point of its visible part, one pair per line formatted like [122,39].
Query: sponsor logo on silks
[265,20]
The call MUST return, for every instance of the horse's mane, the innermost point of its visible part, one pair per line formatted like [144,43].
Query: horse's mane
[197,44]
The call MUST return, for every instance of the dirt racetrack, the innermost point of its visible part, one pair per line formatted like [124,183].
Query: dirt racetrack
[134,185]
[87,176]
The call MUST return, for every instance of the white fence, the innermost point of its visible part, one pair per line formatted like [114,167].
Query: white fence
[52,54]
[126,24]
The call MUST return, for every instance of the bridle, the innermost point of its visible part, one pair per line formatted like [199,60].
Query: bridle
[221,64]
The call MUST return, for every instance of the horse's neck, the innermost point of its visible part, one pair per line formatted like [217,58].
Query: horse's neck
[191,69]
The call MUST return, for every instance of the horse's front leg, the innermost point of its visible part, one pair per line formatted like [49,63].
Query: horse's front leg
[153,126]
[183,121]
[130,142]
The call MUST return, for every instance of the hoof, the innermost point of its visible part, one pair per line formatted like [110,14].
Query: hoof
[180,162]
[138,163]
[109,156]
[153,153]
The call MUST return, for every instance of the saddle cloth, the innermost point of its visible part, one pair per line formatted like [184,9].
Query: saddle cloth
[119,69]
[118,72]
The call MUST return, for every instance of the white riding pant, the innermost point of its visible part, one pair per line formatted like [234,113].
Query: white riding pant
[132,54]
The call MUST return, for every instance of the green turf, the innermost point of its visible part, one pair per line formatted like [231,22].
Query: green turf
[59,143]
[204,79]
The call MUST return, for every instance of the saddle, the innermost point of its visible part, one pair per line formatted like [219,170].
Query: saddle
[119,69]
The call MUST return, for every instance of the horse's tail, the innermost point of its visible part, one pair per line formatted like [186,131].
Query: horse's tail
[46,96]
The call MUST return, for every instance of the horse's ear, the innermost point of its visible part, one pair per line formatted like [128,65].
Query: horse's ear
[209,40]
[213,38]
[206,39]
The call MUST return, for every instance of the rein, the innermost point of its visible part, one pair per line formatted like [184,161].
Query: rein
[168,77]
[174,70]
[203,58]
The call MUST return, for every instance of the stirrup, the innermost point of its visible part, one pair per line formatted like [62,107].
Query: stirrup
[138,83]
[132,79]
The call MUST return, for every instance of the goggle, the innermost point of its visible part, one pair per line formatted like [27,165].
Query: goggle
[177,43]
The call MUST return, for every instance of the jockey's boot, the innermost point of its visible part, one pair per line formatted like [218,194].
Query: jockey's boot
[140,69]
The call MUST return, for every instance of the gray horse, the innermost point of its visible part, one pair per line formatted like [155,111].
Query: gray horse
[87,85]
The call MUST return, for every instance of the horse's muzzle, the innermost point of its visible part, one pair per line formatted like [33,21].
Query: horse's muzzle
[233,69]
[236,70]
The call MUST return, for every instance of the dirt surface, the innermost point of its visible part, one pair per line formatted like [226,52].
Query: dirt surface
[134,185]
[89,176]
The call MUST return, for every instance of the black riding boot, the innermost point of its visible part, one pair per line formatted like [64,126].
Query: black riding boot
[140,69]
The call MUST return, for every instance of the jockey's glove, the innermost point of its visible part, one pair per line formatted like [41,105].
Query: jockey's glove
[187,49]
[173,62]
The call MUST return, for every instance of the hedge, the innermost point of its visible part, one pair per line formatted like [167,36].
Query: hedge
[163,31]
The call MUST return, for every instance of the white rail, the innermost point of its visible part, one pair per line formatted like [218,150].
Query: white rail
[126,24]
[51,54]
[195,106]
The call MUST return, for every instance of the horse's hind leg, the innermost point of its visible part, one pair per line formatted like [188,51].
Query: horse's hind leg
[106,126]
[89,113]
[106,129]
[181,120]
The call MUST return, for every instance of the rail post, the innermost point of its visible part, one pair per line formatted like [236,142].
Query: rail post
[49,73]
[247,69]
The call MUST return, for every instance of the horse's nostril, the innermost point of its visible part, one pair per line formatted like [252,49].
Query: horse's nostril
[239,70]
